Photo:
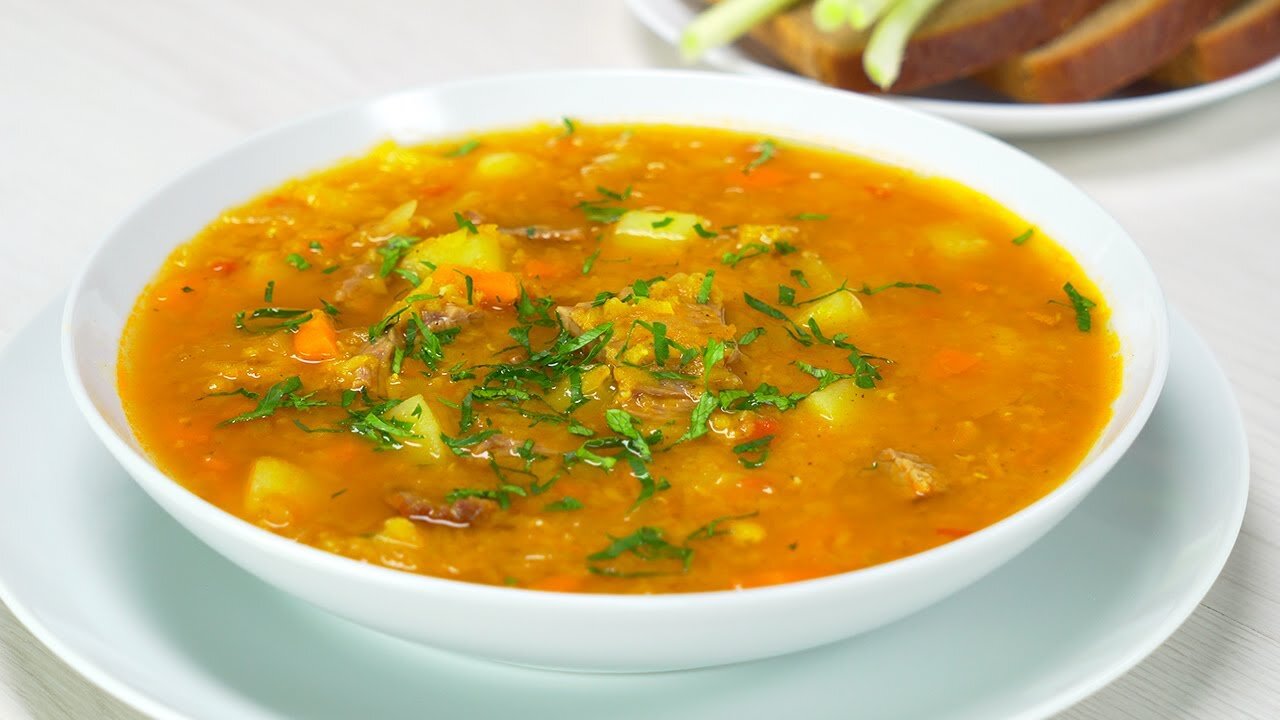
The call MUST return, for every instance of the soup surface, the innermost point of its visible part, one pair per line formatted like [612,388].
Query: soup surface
[619,359]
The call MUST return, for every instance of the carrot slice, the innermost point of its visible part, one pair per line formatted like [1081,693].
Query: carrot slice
[492,287]
[316,339]
[949,361]
[545,269]
[765,176]
[558,583]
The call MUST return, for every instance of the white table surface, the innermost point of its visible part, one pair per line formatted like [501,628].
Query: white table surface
[100,102]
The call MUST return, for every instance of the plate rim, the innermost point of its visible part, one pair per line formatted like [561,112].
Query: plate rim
[1012,119]
[139,699]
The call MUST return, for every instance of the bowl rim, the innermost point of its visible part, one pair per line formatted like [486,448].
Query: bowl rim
[159,485]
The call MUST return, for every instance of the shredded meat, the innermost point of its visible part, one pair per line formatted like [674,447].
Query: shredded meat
[505,445]
[545,234]
[459,513]
[631,352]
[361,280]
[447,316]
[916,476]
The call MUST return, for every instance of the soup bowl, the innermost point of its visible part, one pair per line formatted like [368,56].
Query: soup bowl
[595,632]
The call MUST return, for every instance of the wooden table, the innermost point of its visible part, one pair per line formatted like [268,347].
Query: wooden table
[100,102]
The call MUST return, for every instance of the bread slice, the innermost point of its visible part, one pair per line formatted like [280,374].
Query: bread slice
[1247,36]
[959,38]
[1118,43]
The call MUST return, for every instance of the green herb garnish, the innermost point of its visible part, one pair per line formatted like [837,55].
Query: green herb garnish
[766,149]
[704,292]
[463,149]
[1081,304]
[463,222]
[712,529]
[647,544]
[868,290]
[297,261]
[564,504]
[393,252]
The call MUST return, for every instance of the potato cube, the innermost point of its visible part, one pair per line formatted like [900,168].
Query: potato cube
[835,313]
[957,241]
[462,248]
[276,490]
[656,232]
[427,447]
[837,403]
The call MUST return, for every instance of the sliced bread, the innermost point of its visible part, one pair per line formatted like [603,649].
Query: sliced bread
[959,38]
[1117,44]
[1247,36]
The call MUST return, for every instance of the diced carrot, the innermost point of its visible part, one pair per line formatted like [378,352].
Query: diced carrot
[434,189]
[752,486]
[880,192]
[558,583]
[316,339]
[765,176]
[495,287]
[763,426]
[953,532]
[545,269]
[949,361]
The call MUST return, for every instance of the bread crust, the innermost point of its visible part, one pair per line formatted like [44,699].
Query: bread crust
[1096,59]
[1245,38]
[960,38]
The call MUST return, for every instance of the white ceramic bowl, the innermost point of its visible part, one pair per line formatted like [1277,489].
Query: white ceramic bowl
[604,632]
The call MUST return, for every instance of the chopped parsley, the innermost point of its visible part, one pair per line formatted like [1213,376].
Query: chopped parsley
[648,545]
[1081,304]
[704,292]
[765,150]
[569,127]
[753,453]
[269,292]
[703,232]
[289,319]
[297,261]
[564,504]
[816,217]
[1024,237]
[663,222]
[868,290]
[393,252]
[590,261]
[757,249]
[463,149]
[463,222]
[712,529]
[280,395]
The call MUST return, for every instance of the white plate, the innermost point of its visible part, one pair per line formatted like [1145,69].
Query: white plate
[969,103]
[127,597]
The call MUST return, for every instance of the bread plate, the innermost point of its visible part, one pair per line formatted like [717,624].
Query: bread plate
[968,102]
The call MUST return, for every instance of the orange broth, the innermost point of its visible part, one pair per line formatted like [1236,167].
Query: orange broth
[881,363]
